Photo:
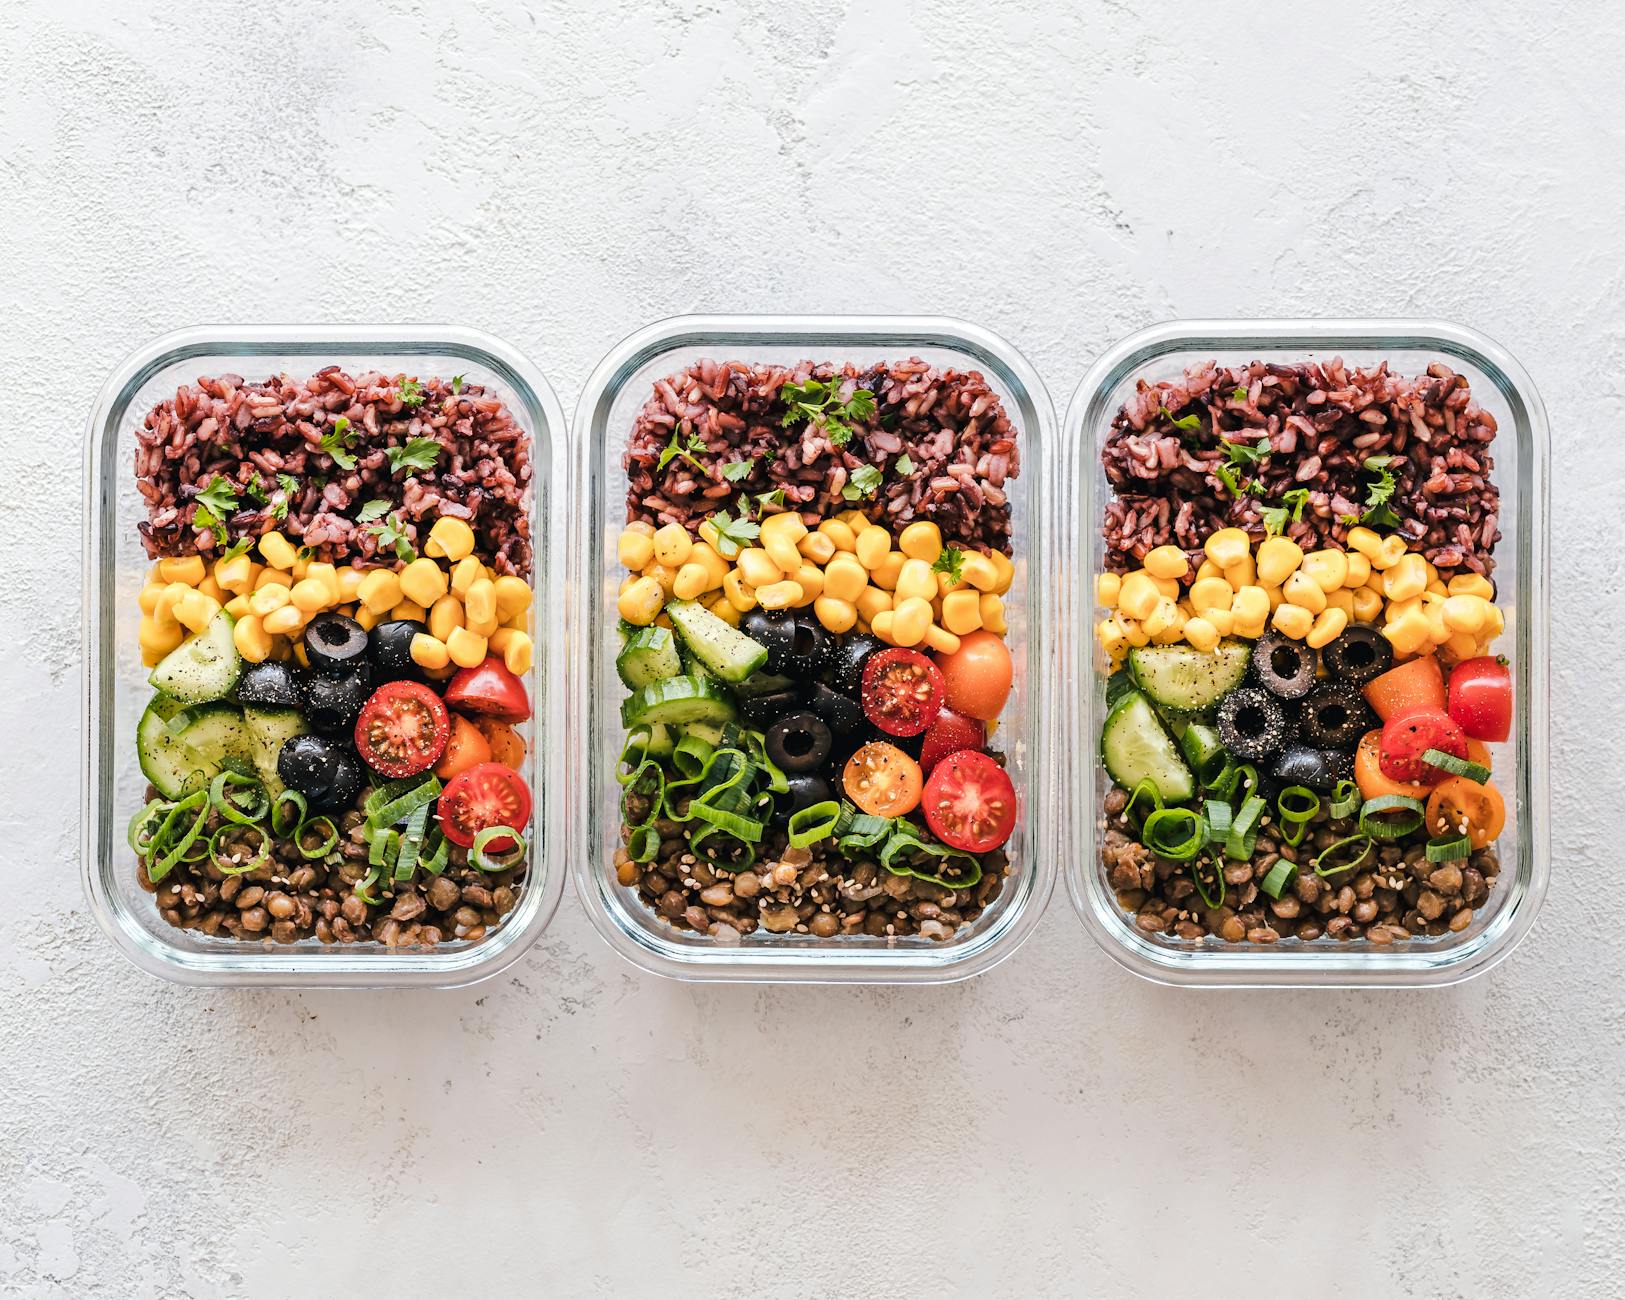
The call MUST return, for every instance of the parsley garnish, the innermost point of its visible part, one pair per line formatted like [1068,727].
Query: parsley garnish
[1378,494]
[735,470]
[865,481]
[239,547]
[1188,423]
[814,403]
[684,447]
[377,508]
[255,490]
[411,392]
[289,488]
[1275,517]
[392,532]
[1226,474]
[766,499]
[1240,395]
[419,453]
[733,535]
[951,562]
[334,443]
[457,384]
[218,496]
[1246,453]
[903,465]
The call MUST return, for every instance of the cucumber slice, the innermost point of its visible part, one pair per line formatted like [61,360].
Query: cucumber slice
[678,699]
[661,740]
[720,646]
[1136,748]
[173,769]
[271,729]
[1185,678]
[649,654]
[217,733]
[203,667]
[1202,748]
[709,732]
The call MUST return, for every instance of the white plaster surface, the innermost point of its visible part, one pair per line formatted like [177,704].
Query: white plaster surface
[560,173]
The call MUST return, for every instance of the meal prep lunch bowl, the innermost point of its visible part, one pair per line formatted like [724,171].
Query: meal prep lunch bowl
[641,688]
[1191,475]
[469,390]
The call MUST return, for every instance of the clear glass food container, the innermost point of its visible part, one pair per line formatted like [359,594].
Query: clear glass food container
[1521,449]
[609,404]
[116,687]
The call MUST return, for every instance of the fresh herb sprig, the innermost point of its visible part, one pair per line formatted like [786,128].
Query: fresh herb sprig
[952,562]
[215,502]
[862,484]
[1291,507]
[411,392]
[418,453]
[814,403]
[733,535]
[1378,494]
[389,529]
[337,441]
[687,446]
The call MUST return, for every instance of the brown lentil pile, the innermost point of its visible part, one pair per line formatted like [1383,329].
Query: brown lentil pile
[1395,896]
[289,899]
[801,891]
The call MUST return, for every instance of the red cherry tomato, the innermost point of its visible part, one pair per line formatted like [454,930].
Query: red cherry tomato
[1407,737]
[480,798]
[949,734]
[1481,698]
[969,802]
[902,691]
[489,688]
[977,675]
[402,729]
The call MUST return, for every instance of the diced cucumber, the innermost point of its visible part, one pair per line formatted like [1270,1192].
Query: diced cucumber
[649,654]
[709,732]
[661,740]
[1187,679]
[1136,747]
[271,729]
[173,769]
[763,684]
[677,700]
[720,646]
[203,667]
[217,733]
[1202,748]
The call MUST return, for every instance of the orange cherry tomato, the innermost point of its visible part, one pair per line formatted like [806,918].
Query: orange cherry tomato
[467,748]
[976,676]
[1368,773]
[507,747]
[1460,806]
[1478,752]
[1418,684]
[882,780]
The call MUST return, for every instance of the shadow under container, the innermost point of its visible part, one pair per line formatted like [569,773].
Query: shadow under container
[1522,578]
[609,405]
[116,689]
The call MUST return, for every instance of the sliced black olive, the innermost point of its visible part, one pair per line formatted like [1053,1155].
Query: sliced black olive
[843,714]
[762,711]
[846,659]
[809,648]
[390,649]
[333,642]
[1251,723]
[1335,716]
[1283,667]
[805,790]
[798,743]
[775,631]
[325,771]
[1360,654]
[273,684]
[334,703]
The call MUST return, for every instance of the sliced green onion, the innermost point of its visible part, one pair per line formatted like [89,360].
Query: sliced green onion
[225,864]
[438,852]
[1219,816]
[1449,849]
[1456,766]
[738,825]
[633,752]
[169,851]
[401,804]
[363,887]
[1173,833]
[245,813]
[644,844]
[281,826]
[860,830]
[690,755]
[406,862]
[1292,833]
[718,849]
[1329,861]
[1345,799]
[152,815]
[1305,803]
[1208,901]
[508,859]
[1278,878]
[327,845]
[643,795]
[1147,790]
[1377,819]
[384,847]
[813,823]
[906,838]
[1243,835]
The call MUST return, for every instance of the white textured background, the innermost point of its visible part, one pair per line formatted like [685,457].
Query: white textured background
[560,173]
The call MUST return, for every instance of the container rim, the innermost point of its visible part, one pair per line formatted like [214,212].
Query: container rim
[826,964]
[1420,967]
[293,967]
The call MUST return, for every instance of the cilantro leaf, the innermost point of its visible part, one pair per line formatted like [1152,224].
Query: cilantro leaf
[411,392]
[814,403]
[219,497]
[903,465]
[335,441]
[863,483]
[255,490]
[457,384]
[766,499]
[1297,499]
[288,483]
[1380,493]
[1226,474]
[1240,395]
[377,508]
[1274,518]
[392,532]
[1186,423]
[288,488]
[735,470]
[733,535]
[419,453]
[1246,453]
[679,446]
[952,562]
[239,547]
[1291,507]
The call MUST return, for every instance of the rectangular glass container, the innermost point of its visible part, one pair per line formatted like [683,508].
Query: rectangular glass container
[116,687]
[1521,450]
[609,404]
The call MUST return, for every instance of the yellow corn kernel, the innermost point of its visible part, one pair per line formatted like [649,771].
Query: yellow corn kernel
[1328,627]
[872,601]
[844,578]
[1292,620]
[1390,553]
[236,575]
[1243,573]
[350,580]
[991,607]
[912,617]
[641,602]
[367,618]
[1406,578]
[1408,633]
[1111,637]
[873,545]
[253,642]
[424,581]
[239,607]
[1166,562]
[1278,559]
[634,549]
[1329,568]
[1397,609]
[979,571]
[890,568]
[722,609]
[311,595]
[483,624]
[449,539]
[1302,590]
[757,568]
[643,526]
[787,524]
[1165,587]
[159,640]
[962,612]
[149,596]
[520,653]
[1343,600]
[300,654]
[464,574]
[429,652]
[782,551]
[1466,613]
[921,540]
[857,521]
[739,596]
[1274,593]
[328,576]
[1433,609]
[881,626]
[1208,569]
[277,551]
[1227,546]
[171,596]
[663,574]
[514,594]
[1223,620]
[1201,634]
[269,577]
[284,621]
[839,533]
[1461,645]
[779,595]
[810,578]
[1435,586]
[817,547]
[1006,570]
[1250,605]
[708,534]
[1164,618]
[1359,569]
[212,589]
[195,609]
[1471,584]
[267,599]
[186,568]
[1107,587]
[446,614]
[1366,542]
[914,578]
[464,648]
[672,545]
[941,639]
[1211,593]
[301,563]
[380,590]
[1138,595]
[690,584]
[1133,630]
[835,614]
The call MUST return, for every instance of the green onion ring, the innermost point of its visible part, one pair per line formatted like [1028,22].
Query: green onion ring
[438,852]
[152,815]
[708,843]
[1345,799]
[363,887]
[404,804]
[1208,901]
[281,827]
[1475,772]
[1145,789]
[691,754]
[1173,833]
[1219,816]
[1308,803]
[1319,862]
[406,863]
[1449,849]
[1292,833]
[738,825]
[1278,878]
[326,846]
[225,865]
[647,783]
[1375,823]
[813,823]
[633,752]
[169,855]
[644,844]
[1243,835]
[385,844]
[508,859]
[244,814]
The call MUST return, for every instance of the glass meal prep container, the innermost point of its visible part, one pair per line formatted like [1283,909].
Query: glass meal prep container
[1521,450]
[116,688]
[609,404]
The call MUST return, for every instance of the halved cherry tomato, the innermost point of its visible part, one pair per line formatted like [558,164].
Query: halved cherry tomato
[1418,684]
[480,798]
[1368,772]
[466,748]
[489,688]
[1481,698]
[977,675]
[507,747]
[902,691]
[882,780]
[1408,736]
[1478,752]
[1459,806]
[949,734]
[402,729]
[969,802]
